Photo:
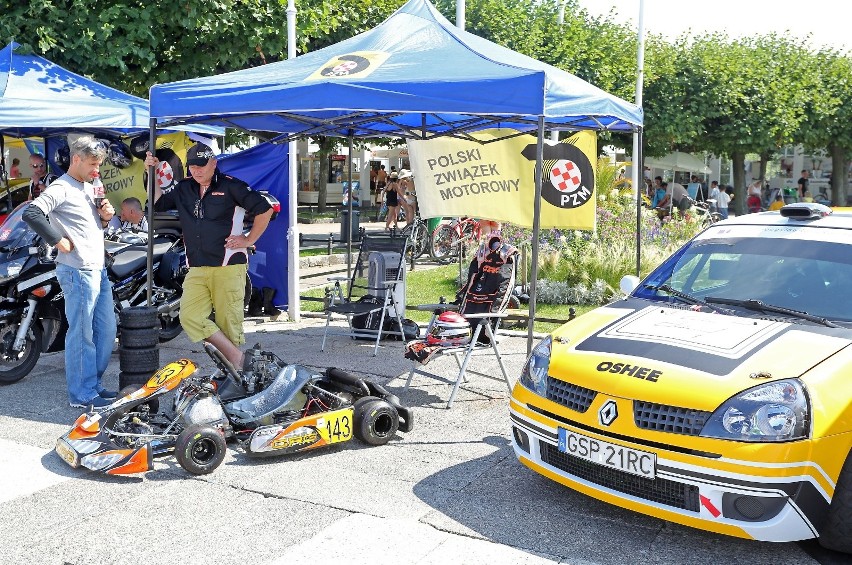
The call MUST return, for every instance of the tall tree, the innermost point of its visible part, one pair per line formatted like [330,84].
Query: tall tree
[829,117]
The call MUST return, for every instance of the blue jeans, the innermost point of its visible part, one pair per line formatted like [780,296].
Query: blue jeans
[91,330]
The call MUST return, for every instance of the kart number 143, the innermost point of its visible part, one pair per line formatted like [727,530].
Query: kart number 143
[339,426]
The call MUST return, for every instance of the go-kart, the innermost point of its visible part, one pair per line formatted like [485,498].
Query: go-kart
[269,408]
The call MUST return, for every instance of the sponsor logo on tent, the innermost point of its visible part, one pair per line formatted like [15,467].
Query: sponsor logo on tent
[357,64]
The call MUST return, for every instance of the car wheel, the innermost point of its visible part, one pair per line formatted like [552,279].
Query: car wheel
[200,449]
[376,421]
[836,534]
[153,404]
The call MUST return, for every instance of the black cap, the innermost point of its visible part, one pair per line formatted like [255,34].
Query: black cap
[199,155]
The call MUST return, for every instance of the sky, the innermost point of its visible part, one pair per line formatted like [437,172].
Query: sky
[823,19]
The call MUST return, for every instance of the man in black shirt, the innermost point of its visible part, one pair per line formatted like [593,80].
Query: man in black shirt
[211,206]
[802,185]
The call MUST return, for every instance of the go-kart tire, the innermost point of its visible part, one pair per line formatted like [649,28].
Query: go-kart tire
[138,317]
[139,338]
[200,449]
[836,533]
[153,404]
[376,421]
[139,360]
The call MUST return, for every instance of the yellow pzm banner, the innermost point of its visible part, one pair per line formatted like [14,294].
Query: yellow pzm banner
[495,180]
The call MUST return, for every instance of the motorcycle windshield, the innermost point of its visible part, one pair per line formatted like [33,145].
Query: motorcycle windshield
[15,233]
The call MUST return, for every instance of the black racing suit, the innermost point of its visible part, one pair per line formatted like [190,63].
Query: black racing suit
[207,221]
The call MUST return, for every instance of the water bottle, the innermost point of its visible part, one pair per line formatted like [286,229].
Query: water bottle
[99,190]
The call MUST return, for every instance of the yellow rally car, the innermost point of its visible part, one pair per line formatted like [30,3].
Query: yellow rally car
[717,393]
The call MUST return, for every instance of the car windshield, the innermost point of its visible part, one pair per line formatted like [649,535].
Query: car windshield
[804,270]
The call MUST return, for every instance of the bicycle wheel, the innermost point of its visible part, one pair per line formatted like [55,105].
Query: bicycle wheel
[445,242]
[419,237]
[469,236]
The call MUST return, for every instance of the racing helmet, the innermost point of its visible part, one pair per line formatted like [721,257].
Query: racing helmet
[139,146]
[119,155]
[450,329]
[62,155]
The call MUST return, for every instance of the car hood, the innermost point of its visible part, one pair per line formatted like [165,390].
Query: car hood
[698,359]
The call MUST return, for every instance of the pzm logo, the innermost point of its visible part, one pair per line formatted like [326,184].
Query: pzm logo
[608,413]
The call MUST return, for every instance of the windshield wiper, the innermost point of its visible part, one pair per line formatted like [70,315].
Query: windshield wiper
[687,297]
[753,304]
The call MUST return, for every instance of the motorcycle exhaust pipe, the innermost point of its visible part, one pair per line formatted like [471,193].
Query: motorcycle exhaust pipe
[169,306]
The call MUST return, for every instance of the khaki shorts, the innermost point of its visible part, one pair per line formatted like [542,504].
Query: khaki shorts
[214,288]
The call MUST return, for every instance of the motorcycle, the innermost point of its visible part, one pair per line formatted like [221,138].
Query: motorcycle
[127,262]
[270,408]
[32,306]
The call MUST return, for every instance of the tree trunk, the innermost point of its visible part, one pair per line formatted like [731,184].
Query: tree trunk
[740,196]
[327,145]
[322,187]
[838,175]
[764,162]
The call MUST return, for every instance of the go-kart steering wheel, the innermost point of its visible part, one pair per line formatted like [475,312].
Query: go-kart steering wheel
[222,363]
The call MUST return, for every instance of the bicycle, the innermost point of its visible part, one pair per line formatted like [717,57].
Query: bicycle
[452,239]
[418,232]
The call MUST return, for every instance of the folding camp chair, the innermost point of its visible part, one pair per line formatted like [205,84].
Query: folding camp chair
[483,304]
[375,293]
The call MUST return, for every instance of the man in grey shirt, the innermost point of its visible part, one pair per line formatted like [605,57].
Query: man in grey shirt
[76,230]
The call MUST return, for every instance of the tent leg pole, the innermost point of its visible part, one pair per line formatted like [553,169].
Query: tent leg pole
[536,229]
[638,158]
[152,146]
[351,219]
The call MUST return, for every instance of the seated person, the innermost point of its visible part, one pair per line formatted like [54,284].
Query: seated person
[777,204]
[676,197]
[657,197]
[132,216]
[808,197]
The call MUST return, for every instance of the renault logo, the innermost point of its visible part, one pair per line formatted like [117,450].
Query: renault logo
[608,413]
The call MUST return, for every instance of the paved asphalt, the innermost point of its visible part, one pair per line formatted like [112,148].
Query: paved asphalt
[451,491]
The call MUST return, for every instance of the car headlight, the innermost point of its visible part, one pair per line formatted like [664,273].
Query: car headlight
[534,375]
[11,269]
[776,411]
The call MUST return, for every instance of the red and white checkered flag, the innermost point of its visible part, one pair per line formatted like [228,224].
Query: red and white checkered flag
[164,175]
[565,176]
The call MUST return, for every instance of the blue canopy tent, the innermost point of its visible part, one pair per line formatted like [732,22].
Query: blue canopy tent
[414,76]
[39,98]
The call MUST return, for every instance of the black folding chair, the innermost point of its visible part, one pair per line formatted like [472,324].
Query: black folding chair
[491,278]
[375,292]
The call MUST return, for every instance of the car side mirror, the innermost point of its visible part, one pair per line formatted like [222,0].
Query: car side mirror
[628,284]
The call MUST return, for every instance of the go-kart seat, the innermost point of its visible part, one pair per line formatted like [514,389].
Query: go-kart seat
[283,394]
